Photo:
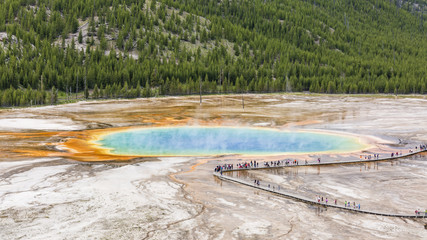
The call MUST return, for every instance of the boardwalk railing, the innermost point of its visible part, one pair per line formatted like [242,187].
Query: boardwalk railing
[284,193]
[327,162]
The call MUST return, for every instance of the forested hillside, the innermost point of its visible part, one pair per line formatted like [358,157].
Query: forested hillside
[52,49]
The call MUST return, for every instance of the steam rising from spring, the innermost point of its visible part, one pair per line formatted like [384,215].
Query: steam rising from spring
[202,141]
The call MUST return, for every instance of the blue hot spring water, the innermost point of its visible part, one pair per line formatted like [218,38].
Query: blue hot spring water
[202,141]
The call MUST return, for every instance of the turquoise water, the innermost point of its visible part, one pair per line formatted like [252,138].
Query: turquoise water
[199,141]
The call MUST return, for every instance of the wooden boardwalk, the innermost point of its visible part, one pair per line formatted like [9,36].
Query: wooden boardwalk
[284,193]
[327,163]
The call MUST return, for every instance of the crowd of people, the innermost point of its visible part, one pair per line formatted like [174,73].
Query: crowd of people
[422,147]
[395,154]
[250,164]
[324,200]
[376,156]
[418,212]
[220,168]
[255,164]
[347,204]
[256,183]
[370,157]
[290,162]
[319,199]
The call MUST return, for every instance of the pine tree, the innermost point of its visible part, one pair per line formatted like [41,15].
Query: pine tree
[147,90]
[54,96]
[95,94]
[80,37]
[138,90]
[236,50]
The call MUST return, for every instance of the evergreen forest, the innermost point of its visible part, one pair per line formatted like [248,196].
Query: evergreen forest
[58,50]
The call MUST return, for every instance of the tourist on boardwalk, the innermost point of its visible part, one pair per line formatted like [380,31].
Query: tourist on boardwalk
[347,204]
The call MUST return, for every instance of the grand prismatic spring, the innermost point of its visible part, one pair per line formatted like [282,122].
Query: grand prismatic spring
[203,141]
[143,169]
